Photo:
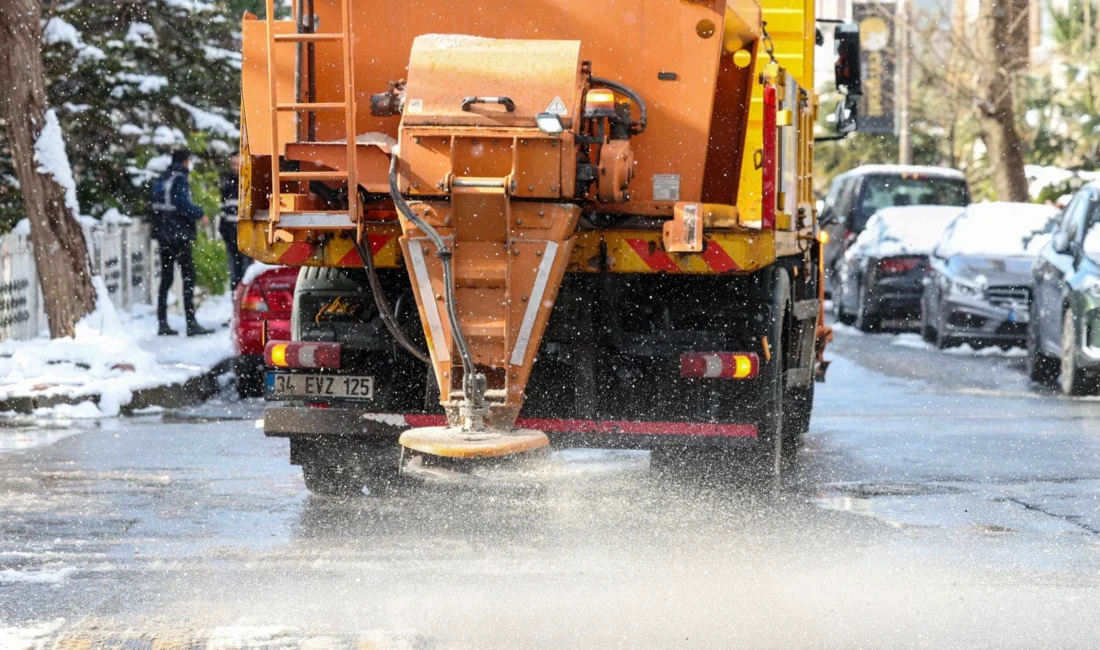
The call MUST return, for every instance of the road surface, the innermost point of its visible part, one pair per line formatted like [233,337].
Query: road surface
[940,501]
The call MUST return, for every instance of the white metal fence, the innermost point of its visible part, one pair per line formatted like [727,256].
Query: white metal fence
[124,255]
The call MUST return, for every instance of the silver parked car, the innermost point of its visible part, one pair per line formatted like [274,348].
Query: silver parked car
[977,288]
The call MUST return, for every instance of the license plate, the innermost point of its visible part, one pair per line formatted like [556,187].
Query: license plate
[282,385]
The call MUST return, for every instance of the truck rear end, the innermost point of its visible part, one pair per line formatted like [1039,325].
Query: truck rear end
[585,224]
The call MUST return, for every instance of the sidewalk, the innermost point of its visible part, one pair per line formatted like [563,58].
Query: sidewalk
[116,364]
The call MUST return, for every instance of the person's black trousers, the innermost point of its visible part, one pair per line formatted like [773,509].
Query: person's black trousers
[238,261]
[171,254]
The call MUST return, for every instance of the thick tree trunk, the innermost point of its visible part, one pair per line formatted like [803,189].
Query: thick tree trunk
[999,24]
[60,252]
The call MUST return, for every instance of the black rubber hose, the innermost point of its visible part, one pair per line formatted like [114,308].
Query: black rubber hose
[383,305]
[639,126]
[444,254]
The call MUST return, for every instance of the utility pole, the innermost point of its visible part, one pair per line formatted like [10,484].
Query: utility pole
[905,148]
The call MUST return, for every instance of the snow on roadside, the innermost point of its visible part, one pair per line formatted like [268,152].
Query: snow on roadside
[36,576]
[112,355]
[31,636]
[910,340]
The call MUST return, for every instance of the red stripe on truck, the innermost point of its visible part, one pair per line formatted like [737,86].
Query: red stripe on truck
[554,425]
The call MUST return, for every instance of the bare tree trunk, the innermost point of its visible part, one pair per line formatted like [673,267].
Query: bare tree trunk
[999,25]
[60,252]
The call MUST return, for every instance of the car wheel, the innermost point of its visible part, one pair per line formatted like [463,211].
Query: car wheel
[250,379]
[1074,380]
[941,340]
[1040,367]
[838,305]
[865,321]
[927,332]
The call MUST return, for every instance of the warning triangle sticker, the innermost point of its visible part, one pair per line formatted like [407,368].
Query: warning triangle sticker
[557,107]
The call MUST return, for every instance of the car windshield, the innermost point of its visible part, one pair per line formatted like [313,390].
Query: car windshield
[997,230]
[889,190]
[1091,244]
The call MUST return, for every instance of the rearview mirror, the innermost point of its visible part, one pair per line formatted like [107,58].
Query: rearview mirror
[827,218]
[1060,242]
[849,78]
[847,115]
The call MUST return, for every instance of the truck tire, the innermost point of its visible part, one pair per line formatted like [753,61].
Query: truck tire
[331,480]
[344,468]
[799,405]
[768,457]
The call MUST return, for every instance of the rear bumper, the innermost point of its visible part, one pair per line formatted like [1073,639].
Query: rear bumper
[305,422]
[895,296]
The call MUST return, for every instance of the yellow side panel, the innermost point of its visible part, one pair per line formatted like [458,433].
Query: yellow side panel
[791,26]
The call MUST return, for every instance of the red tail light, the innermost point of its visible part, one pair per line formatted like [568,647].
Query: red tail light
[849,237]
[302,355]
[893,265]
[253,299]
[719,365]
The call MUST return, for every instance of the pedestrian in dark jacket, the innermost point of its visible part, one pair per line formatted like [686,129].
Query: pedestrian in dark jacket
[227,227]
[174,218]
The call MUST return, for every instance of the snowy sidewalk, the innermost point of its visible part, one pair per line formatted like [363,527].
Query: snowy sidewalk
[116,363]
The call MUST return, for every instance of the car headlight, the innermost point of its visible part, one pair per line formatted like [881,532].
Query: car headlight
[965,290]
[1091,287]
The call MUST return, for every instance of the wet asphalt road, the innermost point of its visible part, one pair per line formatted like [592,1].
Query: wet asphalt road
[941,501]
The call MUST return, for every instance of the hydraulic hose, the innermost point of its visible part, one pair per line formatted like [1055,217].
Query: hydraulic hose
[383,305]
[444,254]
[639,126]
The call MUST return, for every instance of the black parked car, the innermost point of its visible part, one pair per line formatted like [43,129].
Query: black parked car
[1064,338]
[857,194]
[978,286]
[881,272]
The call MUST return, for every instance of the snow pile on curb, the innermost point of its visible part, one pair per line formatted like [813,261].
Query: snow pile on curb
[111,356]
[909,340]
[30,636]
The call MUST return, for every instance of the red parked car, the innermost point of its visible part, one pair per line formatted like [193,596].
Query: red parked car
[261,312]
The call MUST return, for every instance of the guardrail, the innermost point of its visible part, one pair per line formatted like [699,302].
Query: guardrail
[124,254]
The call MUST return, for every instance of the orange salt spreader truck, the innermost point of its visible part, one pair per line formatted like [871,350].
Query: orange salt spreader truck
[581,223]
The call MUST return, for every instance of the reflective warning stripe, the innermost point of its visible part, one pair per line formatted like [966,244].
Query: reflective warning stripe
[168,205]
[533,304]
[627,251]
[431,309]
[653,257]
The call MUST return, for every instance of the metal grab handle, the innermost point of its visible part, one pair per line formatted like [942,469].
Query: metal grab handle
[507,102]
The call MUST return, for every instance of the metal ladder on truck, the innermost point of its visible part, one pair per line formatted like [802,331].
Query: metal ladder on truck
[350,175]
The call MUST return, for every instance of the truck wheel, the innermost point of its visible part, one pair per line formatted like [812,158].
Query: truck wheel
[327,479]
[1074,380]
[769,457]
[799,405]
